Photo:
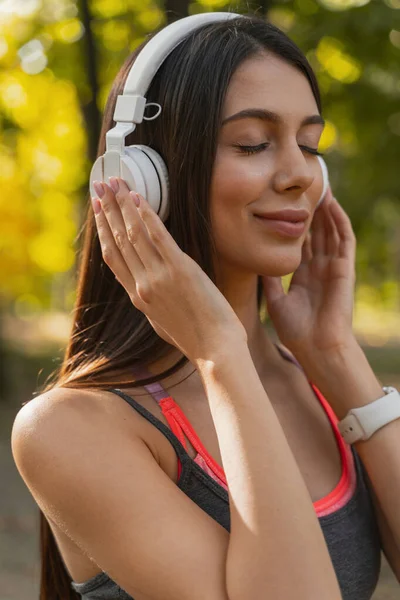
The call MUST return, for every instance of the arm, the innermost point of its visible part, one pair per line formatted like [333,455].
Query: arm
[388,544]
[346,380]
[274,527]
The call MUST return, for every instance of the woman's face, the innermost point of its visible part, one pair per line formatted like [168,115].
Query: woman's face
[280,175]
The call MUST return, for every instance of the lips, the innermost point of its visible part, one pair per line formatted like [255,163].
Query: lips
[285,228]
[289,215]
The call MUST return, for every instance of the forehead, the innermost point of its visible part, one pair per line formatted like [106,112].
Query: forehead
[266,81]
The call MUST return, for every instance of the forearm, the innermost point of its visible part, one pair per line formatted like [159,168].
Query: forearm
[274,526]
[347,381]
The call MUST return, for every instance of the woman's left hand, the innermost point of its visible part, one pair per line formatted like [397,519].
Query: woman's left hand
[315,316]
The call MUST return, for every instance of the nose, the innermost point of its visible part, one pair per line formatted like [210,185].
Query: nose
[294,172]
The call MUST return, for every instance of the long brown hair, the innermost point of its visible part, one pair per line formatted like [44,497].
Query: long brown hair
[109,335]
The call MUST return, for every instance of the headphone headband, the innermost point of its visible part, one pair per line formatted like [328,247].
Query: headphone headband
[131,104]
[161,45]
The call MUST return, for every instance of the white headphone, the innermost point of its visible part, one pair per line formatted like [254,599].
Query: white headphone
[141,167]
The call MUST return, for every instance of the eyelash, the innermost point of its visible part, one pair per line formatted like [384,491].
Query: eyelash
[248,150]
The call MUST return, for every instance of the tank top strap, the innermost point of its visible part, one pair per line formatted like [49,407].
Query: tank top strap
[170,435]
[155,389]
[164,401]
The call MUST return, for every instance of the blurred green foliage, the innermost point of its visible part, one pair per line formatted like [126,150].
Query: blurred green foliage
[353,45]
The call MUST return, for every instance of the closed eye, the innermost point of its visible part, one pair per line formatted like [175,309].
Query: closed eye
[248,150]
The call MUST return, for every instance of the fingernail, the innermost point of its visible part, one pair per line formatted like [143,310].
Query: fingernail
[99,188]
[96,205]
[114,184]
[135,197]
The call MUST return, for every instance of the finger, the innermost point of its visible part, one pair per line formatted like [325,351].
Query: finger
[111,254]
[273,289]
[134,234]
[306,251]
[120,240]
[318,233]
[328,196]
[348,242]
[322,229]
[159,234]
[332,238]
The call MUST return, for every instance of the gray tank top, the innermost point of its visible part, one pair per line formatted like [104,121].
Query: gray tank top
[351,532]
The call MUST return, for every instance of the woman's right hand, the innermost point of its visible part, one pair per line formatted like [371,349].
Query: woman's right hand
[180,301]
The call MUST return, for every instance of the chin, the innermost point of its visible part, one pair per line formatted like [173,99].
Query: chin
[278,265]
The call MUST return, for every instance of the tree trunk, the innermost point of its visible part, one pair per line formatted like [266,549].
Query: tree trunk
[90,110]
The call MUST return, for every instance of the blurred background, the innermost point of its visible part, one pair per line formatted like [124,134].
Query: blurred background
[57,62]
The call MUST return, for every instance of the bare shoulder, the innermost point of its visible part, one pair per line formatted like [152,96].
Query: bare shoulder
[59,403]
[92,474]
[58,400]
[68,413]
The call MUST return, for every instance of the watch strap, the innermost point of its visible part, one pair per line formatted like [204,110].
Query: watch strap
[360,423]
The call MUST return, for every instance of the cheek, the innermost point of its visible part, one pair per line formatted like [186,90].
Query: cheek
[236,184]
[238,178]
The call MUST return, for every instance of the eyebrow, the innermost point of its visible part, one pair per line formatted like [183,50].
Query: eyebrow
[268,115]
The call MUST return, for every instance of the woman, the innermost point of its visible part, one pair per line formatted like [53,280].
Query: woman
[199,485]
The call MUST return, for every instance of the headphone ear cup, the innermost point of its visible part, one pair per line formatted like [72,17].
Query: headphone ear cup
[163,178]
[144,171]
[136,169]
[145,179]
[96,174]
[325,179]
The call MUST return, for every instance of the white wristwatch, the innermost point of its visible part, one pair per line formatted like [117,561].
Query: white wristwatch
[360,423]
